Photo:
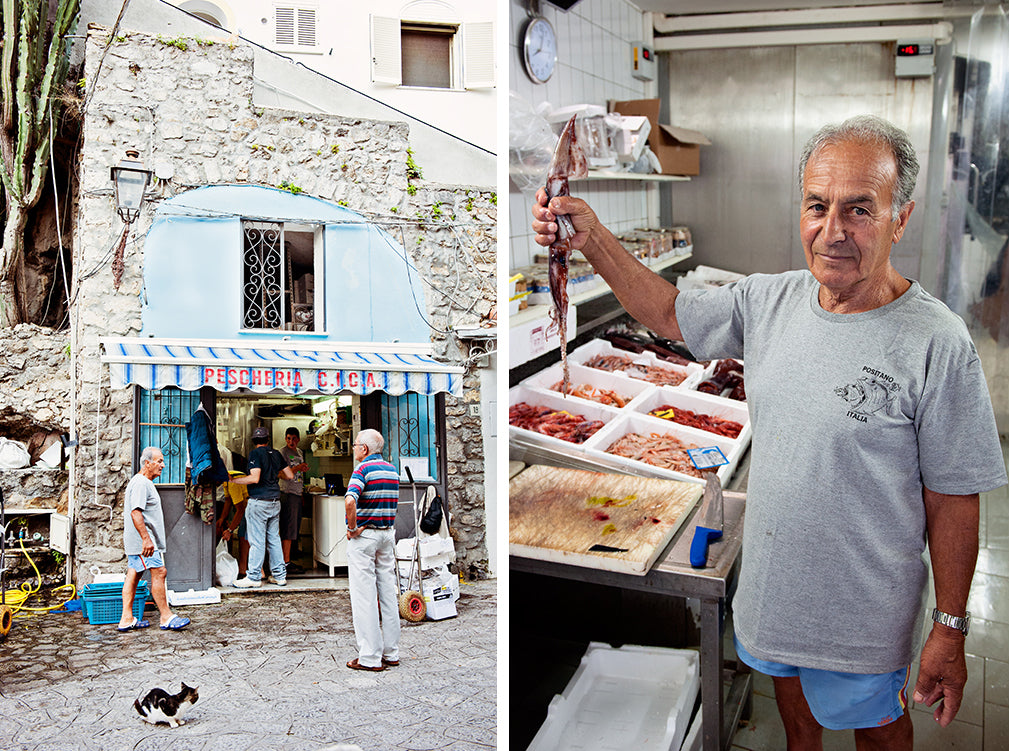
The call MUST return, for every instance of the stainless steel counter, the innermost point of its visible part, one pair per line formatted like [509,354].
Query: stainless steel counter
[674,576]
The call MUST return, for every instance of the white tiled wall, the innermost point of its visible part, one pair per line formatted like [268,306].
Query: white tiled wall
[594,65]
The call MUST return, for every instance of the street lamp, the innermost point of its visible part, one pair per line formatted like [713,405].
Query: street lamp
[131,180]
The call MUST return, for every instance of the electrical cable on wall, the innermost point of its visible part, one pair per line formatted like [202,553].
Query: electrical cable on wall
[98,426]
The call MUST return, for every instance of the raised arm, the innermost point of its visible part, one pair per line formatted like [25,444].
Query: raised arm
[643,293]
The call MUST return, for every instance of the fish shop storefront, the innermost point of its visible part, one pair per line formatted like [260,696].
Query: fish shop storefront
[318,332]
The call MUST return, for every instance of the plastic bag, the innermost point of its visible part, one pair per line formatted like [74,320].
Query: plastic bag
[13,454]
[431,522]
[531,145]
[226,566]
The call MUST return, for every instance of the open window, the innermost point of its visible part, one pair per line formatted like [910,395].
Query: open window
[282,276]
[441,55]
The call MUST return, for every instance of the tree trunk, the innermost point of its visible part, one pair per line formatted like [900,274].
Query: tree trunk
[12,259]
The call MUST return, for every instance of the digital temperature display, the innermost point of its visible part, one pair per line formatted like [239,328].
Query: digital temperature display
[911,50]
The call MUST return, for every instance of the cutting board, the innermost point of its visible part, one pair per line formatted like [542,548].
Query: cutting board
[595,519]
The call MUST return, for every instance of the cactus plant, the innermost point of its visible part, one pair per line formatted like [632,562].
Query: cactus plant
[33,67]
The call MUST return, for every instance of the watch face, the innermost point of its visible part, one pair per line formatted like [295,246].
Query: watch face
[540,49]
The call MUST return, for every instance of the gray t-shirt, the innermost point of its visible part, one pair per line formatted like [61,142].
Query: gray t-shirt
[141,493]
[851,416]
[293,457]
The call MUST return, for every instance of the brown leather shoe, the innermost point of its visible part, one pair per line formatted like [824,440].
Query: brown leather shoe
[355,665]
[390,663]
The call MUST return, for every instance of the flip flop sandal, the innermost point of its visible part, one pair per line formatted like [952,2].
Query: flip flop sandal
[135,625]
[355,665]
[177,623]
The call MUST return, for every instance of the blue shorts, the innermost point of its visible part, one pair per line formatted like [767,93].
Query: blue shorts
[140,563]
[842,701]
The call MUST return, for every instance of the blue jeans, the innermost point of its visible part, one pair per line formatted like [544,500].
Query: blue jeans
[263,533]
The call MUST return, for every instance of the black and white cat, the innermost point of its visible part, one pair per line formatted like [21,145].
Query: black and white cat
[160,706]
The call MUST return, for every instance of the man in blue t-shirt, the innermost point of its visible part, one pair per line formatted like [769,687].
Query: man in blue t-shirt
[263,511]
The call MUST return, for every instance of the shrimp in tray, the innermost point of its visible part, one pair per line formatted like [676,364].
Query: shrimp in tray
[569,161]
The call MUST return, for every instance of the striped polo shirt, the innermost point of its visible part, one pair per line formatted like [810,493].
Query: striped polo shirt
[375,488]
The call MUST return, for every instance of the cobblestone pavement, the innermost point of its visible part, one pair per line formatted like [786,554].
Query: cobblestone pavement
[271,673]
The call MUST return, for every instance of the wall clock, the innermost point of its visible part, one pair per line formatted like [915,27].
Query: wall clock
[540,49]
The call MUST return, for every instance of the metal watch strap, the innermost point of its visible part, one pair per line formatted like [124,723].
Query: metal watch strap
[952,621]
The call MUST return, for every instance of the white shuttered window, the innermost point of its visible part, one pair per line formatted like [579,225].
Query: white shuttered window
[295,26]
[435,55]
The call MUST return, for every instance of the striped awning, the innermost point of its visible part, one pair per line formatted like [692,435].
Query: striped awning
[286,366]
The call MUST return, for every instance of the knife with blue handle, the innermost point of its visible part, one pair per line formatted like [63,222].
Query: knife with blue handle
[709,528]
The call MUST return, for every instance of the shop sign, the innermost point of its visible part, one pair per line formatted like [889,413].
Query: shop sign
[293,379]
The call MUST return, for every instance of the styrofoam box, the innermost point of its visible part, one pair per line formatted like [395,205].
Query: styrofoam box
[596,347]
[696,379]
[554,400]
[699,403]
[705,277]
[626,698]
[624,387]
[693,740]
[643,424]
[210,596]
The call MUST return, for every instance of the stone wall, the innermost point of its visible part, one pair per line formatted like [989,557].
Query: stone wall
[34,398]
[187,107]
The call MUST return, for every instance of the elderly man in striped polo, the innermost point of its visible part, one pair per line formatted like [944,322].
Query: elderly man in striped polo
[370,503]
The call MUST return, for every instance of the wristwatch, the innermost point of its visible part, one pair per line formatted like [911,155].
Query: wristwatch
[952,621]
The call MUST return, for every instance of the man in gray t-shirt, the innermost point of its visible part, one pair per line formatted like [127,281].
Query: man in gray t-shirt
[144,543]
[866,397]
[291,496]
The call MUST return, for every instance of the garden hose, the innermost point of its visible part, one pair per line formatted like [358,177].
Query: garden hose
[15,599]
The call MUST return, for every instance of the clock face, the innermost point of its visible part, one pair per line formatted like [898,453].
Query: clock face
[540,49]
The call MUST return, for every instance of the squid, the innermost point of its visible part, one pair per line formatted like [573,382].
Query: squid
[569,161]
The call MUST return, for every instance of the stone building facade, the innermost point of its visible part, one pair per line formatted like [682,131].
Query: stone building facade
[187,106]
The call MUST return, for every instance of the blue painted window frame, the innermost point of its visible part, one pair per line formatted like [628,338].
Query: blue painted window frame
[409,425]
[162,417]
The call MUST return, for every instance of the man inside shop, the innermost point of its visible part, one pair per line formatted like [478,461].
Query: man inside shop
[865,396]
[291,496]
[263,510]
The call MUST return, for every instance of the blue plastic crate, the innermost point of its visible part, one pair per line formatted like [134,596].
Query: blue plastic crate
[103,603]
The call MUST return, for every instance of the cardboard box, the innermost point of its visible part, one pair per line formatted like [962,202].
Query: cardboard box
[678,149]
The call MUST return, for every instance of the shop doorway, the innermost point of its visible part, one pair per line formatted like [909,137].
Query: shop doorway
[413,425]
[325,428]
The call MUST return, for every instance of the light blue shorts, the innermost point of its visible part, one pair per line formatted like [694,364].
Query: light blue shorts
[842,701]
[141,563]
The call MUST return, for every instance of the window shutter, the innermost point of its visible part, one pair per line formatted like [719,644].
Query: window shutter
[284,26]
[306,27]
[478,55]
[386,50]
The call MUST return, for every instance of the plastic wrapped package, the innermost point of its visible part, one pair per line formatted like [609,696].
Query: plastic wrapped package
[531,145]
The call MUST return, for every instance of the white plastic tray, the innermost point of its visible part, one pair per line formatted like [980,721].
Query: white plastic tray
[596,347]
[699,403]
[634,698]
[643,424]
[624,387]
[554,400]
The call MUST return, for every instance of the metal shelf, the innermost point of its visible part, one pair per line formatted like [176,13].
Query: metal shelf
[635,176]
[602,288]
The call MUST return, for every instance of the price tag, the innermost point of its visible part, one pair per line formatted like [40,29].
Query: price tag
[538,341]
[707,457]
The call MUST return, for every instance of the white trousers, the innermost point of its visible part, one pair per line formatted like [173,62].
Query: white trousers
[372,580]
